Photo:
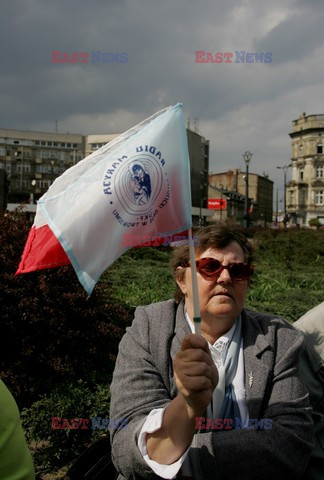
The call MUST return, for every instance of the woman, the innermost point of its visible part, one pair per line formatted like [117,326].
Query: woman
[227,404]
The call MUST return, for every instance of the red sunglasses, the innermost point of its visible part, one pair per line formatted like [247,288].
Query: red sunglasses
[210,268]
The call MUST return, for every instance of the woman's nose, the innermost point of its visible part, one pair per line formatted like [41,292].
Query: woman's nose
[224,276]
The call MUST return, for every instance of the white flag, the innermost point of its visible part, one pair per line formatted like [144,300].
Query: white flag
[137,185]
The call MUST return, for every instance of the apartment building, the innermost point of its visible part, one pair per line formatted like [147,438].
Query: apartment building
[305,191]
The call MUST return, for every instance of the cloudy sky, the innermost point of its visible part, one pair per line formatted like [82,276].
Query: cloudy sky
[240,106]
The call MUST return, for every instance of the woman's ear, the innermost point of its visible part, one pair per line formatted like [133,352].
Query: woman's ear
[180,278]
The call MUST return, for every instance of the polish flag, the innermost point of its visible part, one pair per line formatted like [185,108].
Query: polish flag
[138,184]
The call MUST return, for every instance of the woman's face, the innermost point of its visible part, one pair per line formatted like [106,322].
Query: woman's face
[222,297]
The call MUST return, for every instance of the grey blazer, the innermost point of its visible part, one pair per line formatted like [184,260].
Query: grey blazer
[143,380]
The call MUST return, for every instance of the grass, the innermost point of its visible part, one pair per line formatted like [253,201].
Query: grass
[288,280]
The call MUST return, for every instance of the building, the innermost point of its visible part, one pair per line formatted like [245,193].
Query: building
[199,166]
[33,160]
[95,141]
[305,191]
[226,194]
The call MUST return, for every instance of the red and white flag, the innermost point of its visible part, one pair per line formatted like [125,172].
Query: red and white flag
[136,186]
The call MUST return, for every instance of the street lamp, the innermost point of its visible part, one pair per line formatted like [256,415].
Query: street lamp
[32,194]
[52,171]
[285,170]
[247,158]
[20,155]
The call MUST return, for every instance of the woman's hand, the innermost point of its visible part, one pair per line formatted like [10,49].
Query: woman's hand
[195,373]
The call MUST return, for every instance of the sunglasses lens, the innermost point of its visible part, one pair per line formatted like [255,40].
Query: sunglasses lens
[209,267]
[240,271]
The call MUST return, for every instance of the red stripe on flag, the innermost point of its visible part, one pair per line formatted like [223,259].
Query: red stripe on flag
[42,250]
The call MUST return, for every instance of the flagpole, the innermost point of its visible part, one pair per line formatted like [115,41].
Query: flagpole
[196,319]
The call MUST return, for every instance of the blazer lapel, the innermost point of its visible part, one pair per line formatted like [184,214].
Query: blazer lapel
[258,365]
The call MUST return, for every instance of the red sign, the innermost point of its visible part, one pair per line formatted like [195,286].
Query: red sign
[217,203]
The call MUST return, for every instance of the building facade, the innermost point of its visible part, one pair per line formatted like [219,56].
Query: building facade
[199,166]
[32,160]
[305,191]
[227,193]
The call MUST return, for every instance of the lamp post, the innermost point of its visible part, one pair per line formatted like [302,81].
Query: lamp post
[52,171]
[285,170]
[32,193]
[20,155]
[276,221]
[247,158]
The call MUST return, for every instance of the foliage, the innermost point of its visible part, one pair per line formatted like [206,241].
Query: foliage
[53,447]
[140,277]
[314,222]
[51,331]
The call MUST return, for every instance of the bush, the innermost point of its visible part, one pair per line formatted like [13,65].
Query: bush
[51,331]
[52,447]
[314,222]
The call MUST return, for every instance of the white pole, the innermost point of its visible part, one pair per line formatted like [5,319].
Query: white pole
[196,319]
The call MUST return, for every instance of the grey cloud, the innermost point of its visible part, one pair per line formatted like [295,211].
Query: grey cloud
[295,38]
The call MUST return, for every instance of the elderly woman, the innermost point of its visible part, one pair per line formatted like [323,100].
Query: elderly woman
[226,404]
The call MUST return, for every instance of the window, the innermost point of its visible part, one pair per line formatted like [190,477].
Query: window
[301,150]
[68,145]
[2,165]
[319,148]
[55,144]
[43,169]
[8,168]
[2,151]
[291,197]
[75,145]
[37,142]
[44,154]
[25,167]
[49,144]
[303,197]
[43,143]
[319,171]
[63,145]
[62,156]
[44,183]
[319,197]
[301,174]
